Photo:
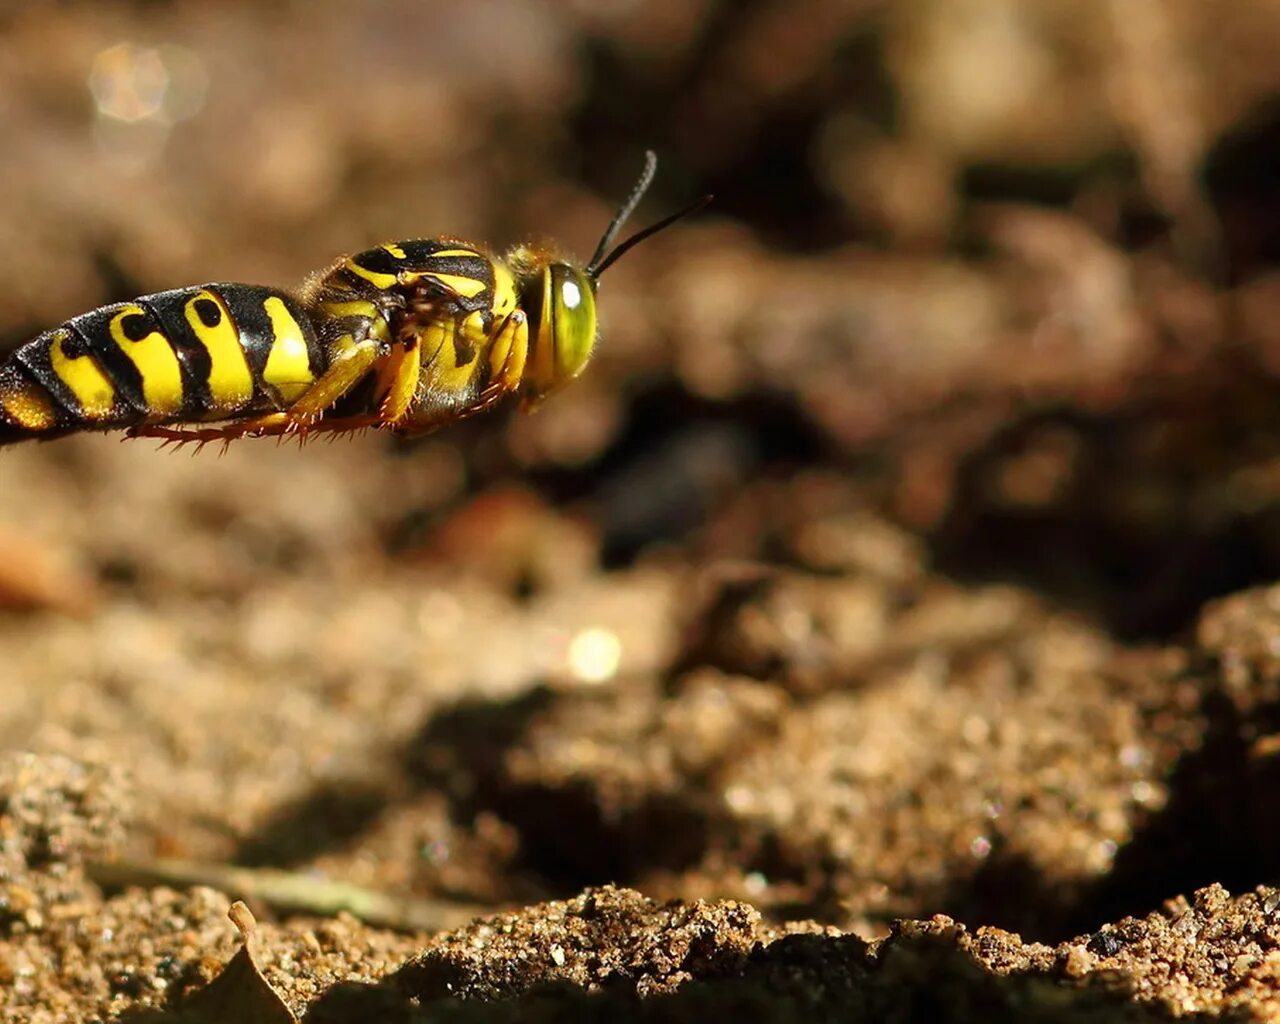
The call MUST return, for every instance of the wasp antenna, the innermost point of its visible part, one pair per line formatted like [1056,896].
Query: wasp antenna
[625,211]
[596,268]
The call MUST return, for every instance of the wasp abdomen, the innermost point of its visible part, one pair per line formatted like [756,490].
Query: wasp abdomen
[204,353]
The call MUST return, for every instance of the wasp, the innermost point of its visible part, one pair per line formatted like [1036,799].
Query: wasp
[407,337]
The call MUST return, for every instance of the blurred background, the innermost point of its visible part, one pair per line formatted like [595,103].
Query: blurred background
[975,349]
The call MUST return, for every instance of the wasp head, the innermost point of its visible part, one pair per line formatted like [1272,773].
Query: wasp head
[559,296]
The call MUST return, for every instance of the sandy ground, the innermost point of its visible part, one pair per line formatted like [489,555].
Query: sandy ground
[882,629]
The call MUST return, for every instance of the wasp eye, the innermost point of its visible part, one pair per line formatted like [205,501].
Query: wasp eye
[562,306]
[573,322]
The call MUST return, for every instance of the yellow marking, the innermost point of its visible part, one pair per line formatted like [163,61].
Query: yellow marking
[288,368]
[84,379]
[401,376]
[395,250]
[28,407]
[353,307]
[473,330]
[230,380]
[156,361]
[440,358]
[459,284]
[456,252]
[431,339]
[383,281]
[504,290]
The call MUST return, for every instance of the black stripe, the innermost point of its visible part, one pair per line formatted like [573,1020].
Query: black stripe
[257,336]
[317,353]
[420,258]
[463,266]
[34,358]
[169,308]
[419,250]
[94,326]
[361,286]
[531,293]
[471,267]
[379,261]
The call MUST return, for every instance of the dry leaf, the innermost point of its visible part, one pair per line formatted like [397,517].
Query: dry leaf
[240,993]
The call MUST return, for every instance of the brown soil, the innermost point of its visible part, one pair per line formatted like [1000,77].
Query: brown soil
[890,603]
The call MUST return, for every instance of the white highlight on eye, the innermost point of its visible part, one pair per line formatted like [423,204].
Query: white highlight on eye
[570,294]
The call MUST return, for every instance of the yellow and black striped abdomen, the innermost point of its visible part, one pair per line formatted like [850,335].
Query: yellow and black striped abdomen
[210,352]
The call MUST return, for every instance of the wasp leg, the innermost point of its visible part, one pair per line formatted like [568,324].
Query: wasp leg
[258,426]
[508,351]
[344,373]
[401,372]
[507,360]
[277,424]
